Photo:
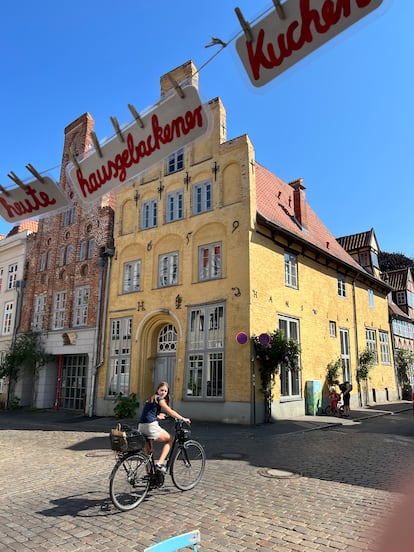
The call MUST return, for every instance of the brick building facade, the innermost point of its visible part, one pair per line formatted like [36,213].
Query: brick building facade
[68,261]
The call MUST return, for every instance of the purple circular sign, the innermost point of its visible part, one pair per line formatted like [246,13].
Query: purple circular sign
[241,338]
[264,339]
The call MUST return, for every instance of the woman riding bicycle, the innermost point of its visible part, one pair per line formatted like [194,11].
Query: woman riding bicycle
[157,408]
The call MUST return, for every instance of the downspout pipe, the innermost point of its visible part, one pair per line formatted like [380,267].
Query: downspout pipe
[104,259]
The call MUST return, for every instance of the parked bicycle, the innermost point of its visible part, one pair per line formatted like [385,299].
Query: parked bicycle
[135,472]
[339,411]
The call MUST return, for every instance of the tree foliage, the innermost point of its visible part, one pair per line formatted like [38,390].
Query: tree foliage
[25,350]
[393,261]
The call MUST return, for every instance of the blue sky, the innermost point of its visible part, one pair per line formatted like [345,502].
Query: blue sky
[342,118]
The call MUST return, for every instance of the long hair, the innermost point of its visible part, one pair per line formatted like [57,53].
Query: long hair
[167,396]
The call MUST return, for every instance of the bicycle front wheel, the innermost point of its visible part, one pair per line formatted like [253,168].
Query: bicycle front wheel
[129,481]
[187,465]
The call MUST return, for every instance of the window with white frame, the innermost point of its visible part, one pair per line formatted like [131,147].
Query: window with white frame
[384,347]
[59,306]
[332,328]
[291,270]
[175,162]
[209,262]
[341,285]
[12,276]
[175,205]
[403,328]
[205,352]
[168,270]
[132,277]
[80,310]
[202,197]
[7,318]
[371,340]
[39,303]
[149,214]
[289,376]
[119,356]
[371,303]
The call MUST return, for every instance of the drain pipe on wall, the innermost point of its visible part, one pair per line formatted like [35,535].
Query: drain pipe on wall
[104,259]
[356,334]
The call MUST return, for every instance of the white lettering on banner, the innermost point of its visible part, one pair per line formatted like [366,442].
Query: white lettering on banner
[37,198]
[170,126]
[280,43]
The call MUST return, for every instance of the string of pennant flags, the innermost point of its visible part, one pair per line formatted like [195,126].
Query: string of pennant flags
[267,45]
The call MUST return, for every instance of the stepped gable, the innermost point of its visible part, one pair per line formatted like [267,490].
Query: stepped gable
[275,204]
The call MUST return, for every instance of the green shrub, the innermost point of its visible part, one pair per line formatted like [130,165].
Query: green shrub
[125,407]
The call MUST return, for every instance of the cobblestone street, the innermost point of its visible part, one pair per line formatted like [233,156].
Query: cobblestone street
[262,490]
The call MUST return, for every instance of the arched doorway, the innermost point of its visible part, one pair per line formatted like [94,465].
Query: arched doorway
[164,369]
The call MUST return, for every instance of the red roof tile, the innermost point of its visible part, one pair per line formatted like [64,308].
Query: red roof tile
[274,200]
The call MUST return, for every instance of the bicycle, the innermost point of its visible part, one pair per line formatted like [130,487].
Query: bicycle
[135,472]
[339,409]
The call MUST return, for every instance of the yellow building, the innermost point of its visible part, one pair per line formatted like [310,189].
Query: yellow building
[211,246]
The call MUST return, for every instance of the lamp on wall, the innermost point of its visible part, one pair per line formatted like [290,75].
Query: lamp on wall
[136,197]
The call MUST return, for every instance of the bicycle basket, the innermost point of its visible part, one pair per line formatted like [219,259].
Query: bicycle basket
[124,438]
[183,434]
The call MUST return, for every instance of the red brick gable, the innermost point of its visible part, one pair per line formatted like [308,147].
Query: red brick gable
[274,202]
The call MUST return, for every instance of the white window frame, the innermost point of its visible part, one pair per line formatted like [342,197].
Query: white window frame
[7,327]
[175,206]
[175,162]
[39,303]
[202,197]
[131,281]
[149,214]
[59,306]
[12,276]
[82,250]
[291,270]
[290,381]
[168,269]
[91,248]
[210,261]
[345,354]
[332,328]
[371,341]
[384,347]
[120,342]
[400,298]
[341,285]
[81,305]
[205,352]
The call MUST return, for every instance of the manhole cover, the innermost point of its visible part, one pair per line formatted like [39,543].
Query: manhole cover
[98,453]
[277,474]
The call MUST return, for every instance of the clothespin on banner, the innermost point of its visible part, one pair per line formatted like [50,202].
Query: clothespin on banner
[244,24]
[96,144]
[4,191]
[72,157]
[177,87]
[17,180]
[117,128]
[136,115]
[34,172]
[279,9]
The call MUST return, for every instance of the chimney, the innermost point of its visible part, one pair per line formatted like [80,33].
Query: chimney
[184,74]
[299,202]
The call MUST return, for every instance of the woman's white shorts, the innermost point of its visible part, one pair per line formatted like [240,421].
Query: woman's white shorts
[152,430]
